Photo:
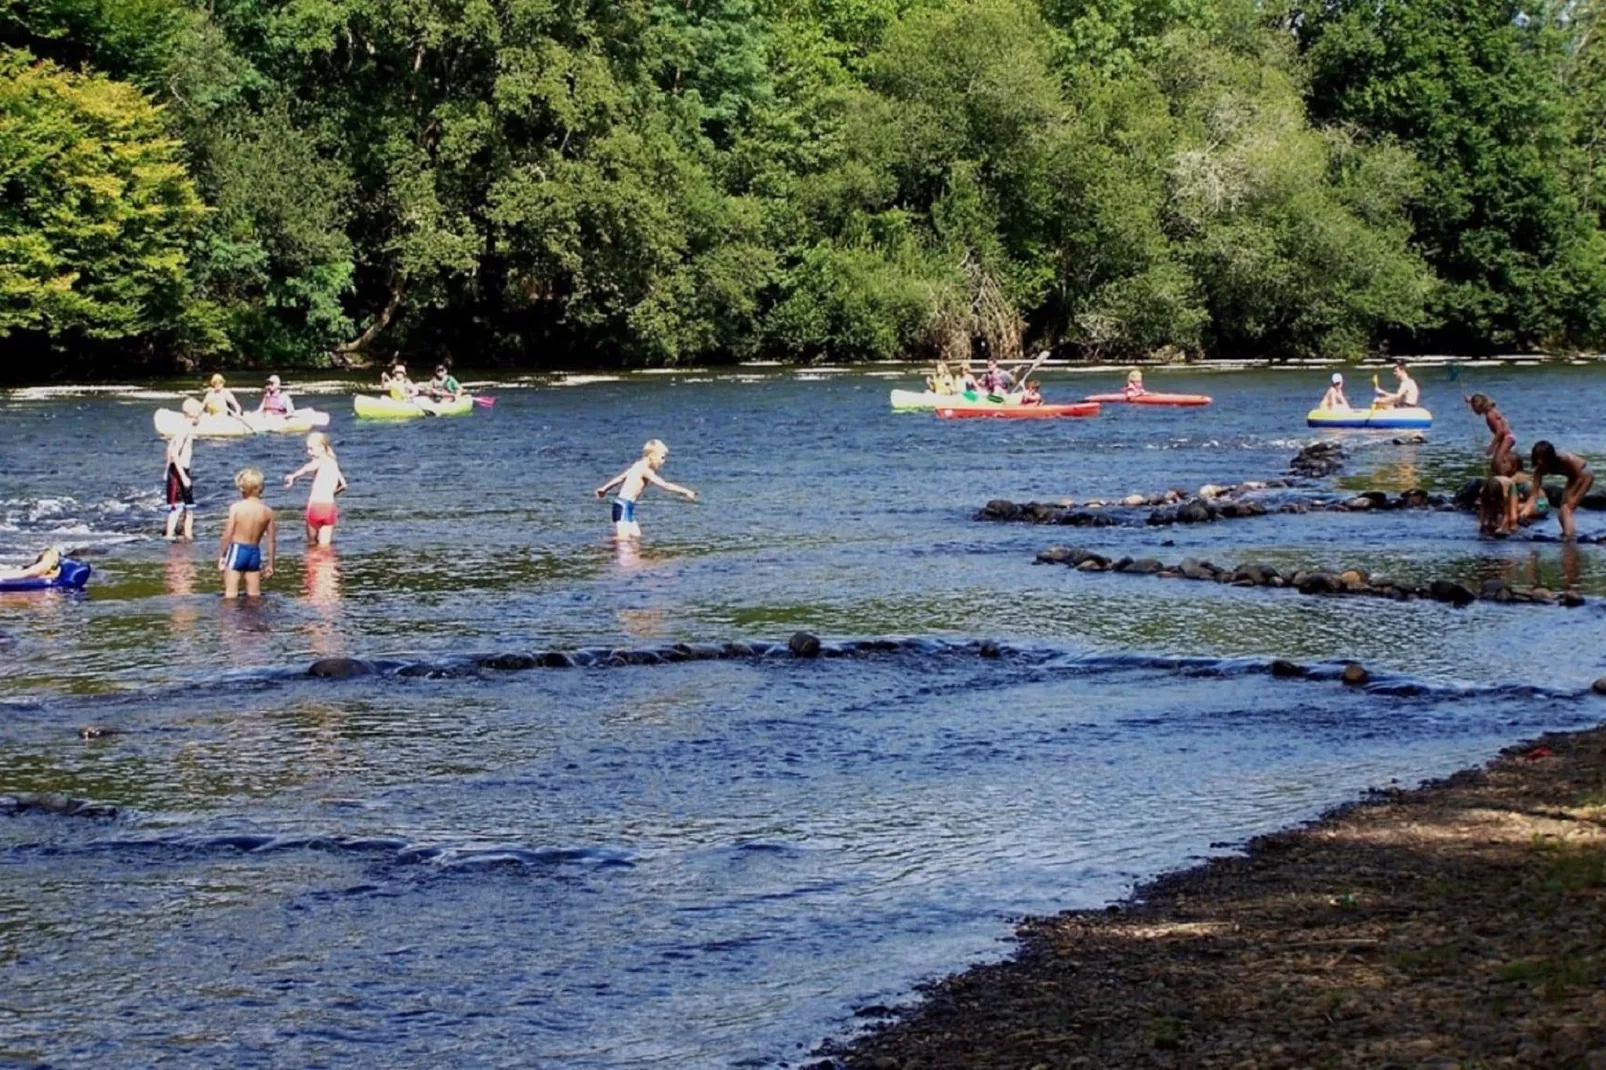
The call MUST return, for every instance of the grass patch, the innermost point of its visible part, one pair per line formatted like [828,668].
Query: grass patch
[1553,977]
[1570,870]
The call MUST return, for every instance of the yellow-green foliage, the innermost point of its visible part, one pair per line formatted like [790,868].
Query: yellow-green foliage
[95,206]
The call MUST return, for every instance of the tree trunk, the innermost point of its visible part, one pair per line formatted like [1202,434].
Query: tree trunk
[356,346]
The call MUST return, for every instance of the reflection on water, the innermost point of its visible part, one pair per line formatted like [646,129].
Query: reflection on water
[710,862]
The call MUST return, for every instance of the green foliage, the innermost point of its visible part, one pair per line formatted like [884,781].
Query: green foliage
[650,181]
[96,212]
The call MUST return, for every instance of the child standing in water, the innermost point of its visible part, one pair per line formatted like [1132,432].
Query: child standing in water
[240,549]
[180,487]
[1504,442]
[633,481]
[1548,460]
[327,481]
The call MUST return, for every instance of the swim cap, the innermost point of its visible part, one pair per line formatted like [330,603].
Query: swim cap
[1338,379]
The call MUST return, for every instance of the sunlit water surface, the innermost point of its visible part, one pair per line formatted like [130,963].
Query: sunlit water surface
[710,863]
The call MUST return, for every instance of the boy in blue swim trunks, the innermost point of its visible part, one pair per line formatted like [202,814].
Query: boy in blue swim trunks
[240,551]
[633,481]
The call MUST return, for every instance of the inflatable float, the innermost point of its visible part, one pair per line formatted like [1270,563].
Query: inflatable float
[1151,399]
[1381,419]
[70,576]
[169,421]
[388,408]
[906,400]
[1019,412]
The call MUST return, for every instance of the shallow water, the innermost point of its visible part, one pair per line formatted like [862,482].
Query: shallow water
[708,863]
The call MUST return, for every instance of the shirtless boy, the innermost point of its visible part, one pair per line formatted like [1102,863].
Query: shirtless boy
[1548,460]
[240,549]
[1504,442]
[633,481]
[180,487]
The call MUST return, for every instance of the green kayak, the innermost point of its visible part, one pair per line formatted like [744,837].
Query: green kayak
[387,408]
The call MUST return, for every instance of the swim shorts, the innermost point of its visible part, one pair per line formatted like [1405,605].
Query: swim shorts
[243,557]
[624,511]
[180,495]
[321,514]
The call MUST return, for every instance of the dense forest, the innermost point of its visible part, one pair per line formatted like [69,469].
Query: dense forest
[640,182]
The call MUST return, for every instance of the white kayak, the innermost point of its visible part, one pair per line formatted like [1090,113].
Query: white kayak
[903,400]
[168,423]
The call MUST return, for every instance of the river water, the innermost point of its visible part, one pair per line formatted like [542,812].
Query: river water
[711,863]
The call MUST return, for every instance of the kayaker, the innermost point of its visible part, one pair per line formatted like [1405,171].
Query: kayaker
[396,383]
[327,481]
[1334,398]
[219,399]
[633,481]
[240,549]
[1504,442]
[1406,397]
[942,382]
[275,400]
[444,387]
[1033,394]
[1548,460]
[1134,387]
[180,487]
[995,381]
[47,566]
[967,379]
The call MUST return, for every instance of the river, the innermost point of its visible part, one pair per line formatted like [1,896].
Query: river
[709,863]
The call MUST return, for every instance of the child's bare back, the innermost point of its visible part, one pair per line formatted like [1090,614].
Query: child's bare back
[250,519]
[240,551]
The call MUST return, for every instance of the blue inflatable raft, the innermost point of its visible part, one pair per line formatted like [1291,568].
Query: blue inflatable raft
[72,575]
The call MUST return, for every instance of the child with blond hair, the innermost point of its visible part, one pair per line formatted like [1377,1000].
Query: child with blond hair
[327,481]
[240,550]
[632,482]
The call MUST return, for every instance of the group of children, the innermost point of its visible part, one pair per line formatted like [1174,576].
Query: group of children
[444,387]
[993,381]
[1510,495]
[251,523]
[249,542]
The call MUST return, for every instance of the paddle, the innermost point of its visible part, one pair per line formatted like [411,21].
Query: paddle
[482,400]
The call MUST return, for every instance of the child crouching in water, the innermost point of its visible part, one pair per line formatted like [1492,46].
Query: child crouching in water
[240,550]
[633,481]
[327,481]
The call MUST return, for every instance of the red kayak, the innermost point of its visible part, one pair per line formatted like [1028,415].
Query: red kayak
[1150,399]
[1020,412]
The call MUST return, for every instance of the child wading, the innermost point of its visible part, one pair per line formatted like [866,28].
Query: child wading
[240,549]
[632,481]
[180,487]
[1548,460]
[327,481]
[1504,441]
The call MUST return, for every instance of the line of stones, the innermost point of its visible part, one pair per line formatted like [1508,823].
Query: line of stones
[1211,504]
[800,645]
[1314,582]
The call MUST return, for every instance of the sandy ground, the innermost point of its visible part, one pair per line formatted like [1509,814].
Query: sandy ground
[1461,924]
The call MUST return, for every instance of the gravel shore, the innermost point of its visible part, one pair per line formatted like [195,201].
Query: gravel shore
[1460,924]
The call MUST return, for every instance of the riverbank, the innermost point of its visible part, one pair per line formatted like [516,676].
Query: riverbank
[1459,924]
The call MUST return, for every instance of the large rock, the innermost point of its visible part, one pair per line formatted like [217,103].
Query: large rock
[999,509]
[1467,496]
[339,668]
[1194,513]
[1355,675]
[508,662]
[1449,591]
[1318,583]
[804,645]
[1285,669]
[1197,570]
[1147,566]
[1056,555]
[1318,459]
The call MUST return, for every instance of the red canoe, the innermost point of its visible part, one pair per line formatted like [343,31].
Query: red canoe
[1020,412]
[1150,399]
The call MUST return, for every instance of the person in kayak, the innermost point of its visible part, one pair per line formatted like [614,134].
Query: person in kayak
[275,400]
[1406,397]
[240,548]
[444,387]
[1134,387]
[47,566]
[1548,460]
[180,487]
[1334,398]
[632,482]
[995,381]
[1504,442]
[327,481]
[396,383]
[1033,394]
[219,400]
[942,382]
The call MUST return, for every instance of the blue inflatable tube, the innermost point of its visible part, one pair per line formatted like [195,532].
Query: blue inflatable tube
[71,576]
[1380,419]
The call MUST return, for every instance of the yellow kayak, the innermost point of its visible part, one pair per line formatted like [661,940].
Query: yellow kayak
[388,408]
